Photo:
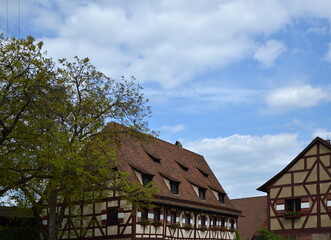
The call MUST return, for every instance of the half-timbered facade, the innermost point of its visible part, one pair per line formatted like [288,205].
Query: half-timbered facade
[299,197]
[190,203]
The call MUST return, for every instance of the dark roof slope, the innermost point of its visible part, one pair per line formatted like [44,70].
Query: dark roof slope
[255,213]
[165,160]
[264,187]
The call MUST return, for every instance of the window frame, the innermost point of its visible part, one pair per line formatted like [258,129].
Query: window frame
[221,198]
[202,193]
[157,214]
[293,205]
[146,179]
[187,218]
[203,220]
[112,216]
[174,187]
[144,214]
[173,216]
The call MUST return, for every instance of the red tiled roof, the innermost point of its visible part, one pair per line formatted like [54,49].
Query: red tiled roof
[255,213]
[141,155]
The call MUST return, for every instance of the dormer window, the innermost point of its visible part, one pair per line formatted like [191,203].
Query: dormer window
[146,178]
[155,159]
[203,173]
[221,198]
[183,167]
[174,187]
[202,193]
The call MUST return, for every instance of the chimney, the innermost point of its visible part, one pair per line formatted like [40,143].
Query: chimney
[179,144]
[327,141]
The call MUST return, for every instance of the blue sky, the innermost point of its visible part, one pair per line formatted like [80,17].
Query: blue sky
[245,83]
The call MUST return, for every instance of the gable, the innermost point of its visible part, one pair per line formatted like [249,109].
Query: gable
[304,167]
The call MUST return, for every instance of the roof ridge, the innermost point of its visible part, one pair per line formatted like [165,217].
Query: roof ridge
[248,197]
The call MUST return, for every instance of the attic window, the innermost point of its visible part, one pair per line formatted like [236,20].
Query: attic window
[203,173]
[147,178]
[202,193]
[221,197]
[155,159]
[174,187]
[183,167]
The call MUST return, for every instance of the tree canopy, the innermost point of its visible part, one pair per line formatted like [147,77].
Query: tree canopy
[51,117]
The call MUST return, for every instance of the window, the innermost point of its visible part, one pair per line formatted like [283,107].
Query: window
[203,221]
[223,222]
[232,223]
[147,179]
[221,197]
[202,193]
[112,216]
[155,159]
[187,220]
[144,214]
[157,214]
[293,205]
[203,173]
[173,217]
[214,221]
[174,187]
[183,167]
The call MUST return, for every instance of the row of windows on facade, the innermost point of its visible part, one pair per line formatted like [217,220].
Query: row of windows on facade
[174,188]
[112,218]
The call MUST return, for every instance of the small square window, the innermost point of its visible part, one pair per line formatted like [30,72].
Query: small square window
[174,187]
[293,205]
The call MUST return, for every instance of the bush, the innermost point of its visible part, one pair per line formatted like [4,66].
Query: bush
[264,234]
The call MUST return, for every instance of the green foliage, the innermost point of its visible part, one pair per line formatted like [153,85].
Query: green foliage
[264,234]
[52,149]
[237,235]
[18,233]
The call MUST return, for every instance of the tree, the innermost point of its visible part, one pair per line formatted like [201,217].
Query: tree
[52,149]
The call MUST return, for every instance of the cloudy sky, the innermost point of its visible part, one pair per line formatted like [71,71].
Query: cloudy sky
[245,83]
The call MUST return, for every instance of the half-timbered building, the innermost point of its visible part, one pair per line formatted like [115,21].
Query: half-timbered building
[190,202]
[299,197]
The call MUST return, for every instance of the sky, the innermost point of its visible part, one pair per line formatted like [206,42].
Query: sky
[245,83]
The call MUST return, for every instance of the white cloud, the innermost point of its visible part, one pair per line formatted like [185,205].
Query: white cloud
[174,129]
[164,41]
[161,41]
[322,133]
[295,97]
[269,52]
[243,162]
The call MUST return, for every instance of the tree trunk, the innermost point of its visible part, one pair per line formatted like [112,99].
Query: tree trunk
[52,223]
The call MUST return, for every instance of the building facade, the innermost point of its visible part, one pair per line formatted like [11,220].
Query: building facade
[190,202]
[299,197]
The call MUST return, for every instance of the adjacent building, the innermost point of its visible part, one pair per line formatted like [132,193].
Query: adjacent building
[299,197]
[255,212]
[190,204]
